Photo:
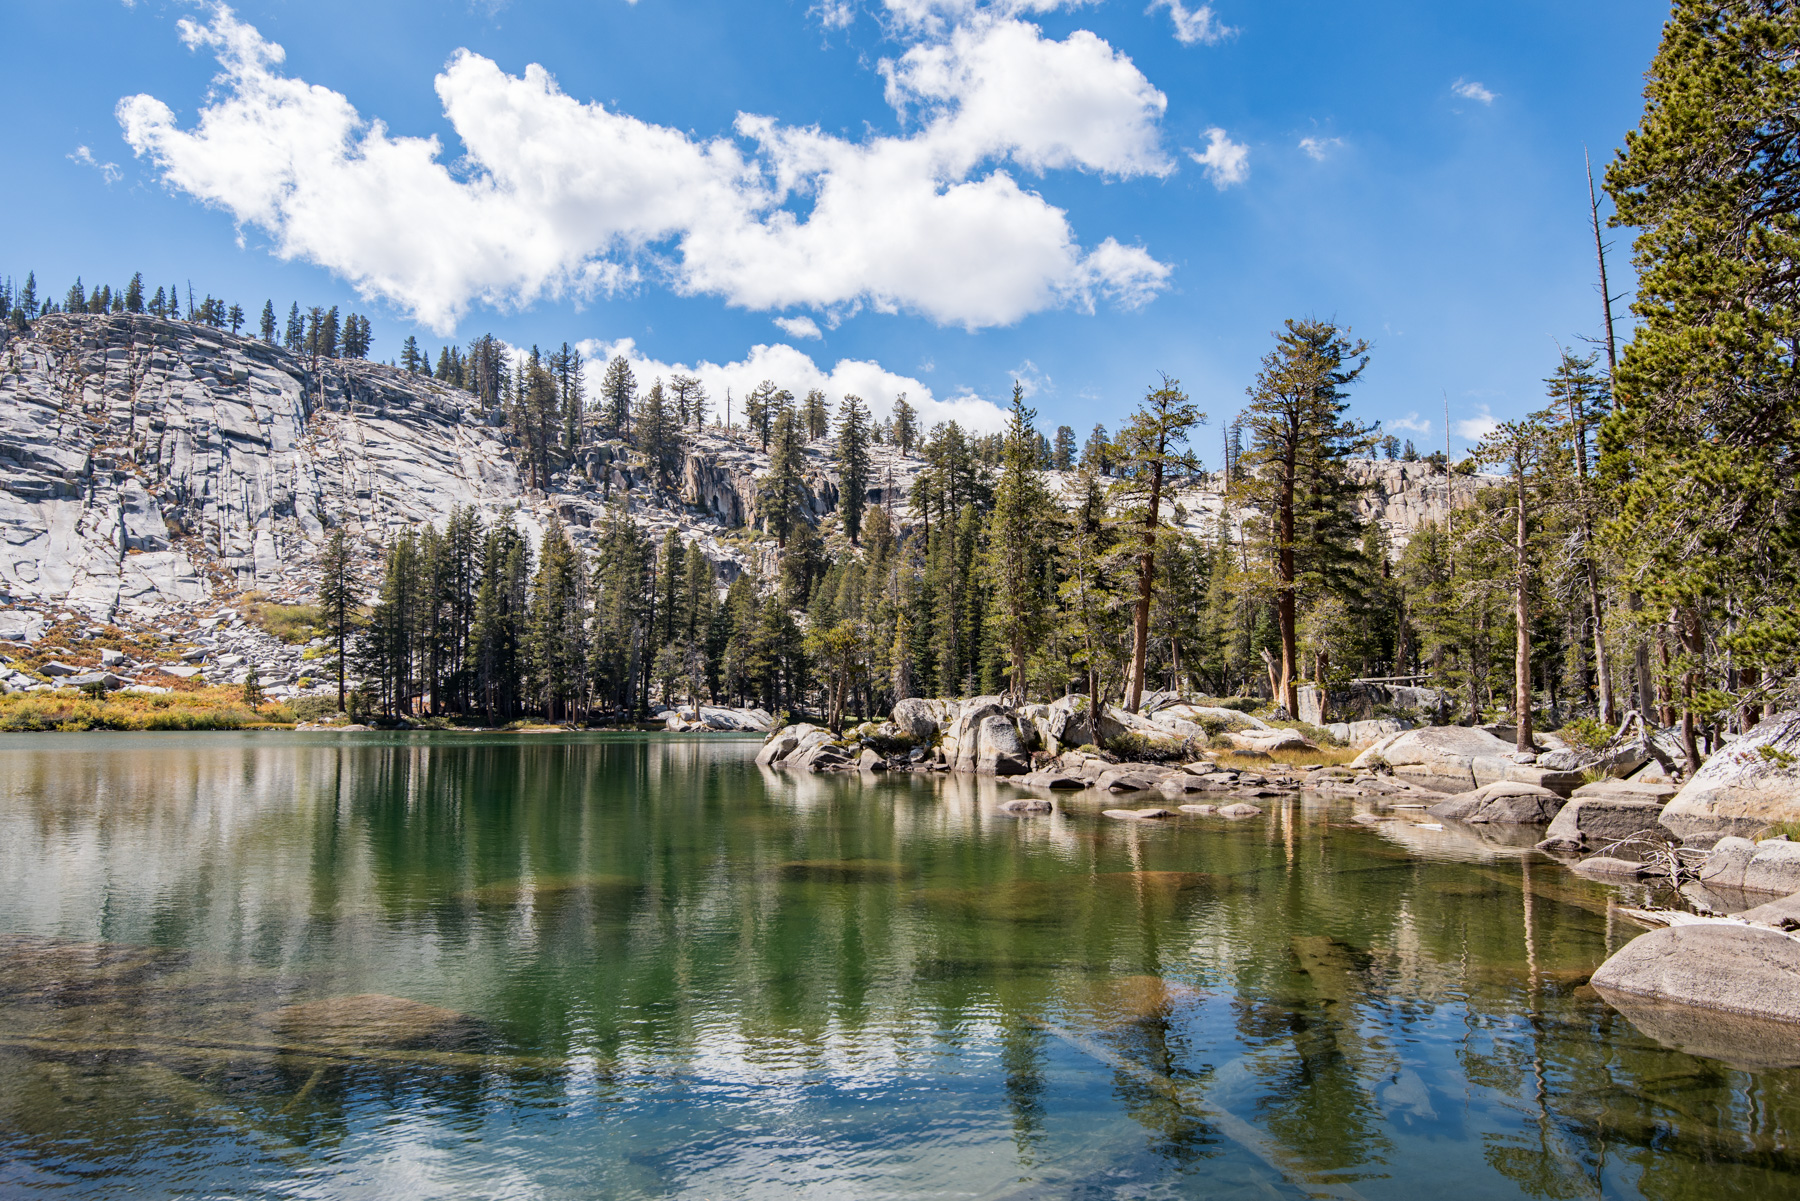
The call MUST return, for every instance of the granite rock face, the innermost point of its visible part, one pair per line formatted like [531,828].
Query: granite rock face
[1736,968]
[148,466]
[1506,802]
[1591,823]
[1747,785]
[1461,753]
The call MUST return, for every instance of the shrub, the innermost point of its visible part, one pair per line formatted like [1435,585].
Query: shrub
[292,624]
[1585,734]
[1145,748]
[313,708]
[66,709]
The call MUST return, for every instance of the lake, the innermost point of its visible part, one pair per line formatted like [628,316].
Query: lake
[315,965]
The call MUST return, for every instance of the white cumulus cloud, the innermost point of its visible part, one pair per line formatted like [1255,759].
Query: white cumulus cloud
[1226,162]
[1468,89]
[1320,149]
[554,197]
[1412,422]
[1477,427]
[799,327]
[798,373]
[1193,26]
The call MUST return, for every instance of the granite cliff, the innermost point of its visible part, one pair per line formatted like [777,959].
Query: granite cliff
[152,469]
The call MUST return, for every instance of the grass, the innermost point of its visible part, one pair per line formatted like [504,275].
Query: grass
[200,709]
[293,624]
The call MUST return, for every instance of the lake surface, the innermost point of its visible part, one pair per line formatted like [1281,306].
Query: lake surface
[279,965]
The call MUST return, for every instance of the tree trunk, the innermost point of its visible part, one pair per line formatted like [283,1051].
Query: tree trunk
[1140,626]
[1691,644]
[1522,620]
[1286,695]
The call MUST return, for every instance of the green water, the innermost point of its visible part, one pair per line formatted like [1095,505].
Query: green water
[645,968]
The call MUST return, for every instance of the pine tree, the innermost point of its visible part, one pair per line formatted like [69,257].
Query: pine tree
[853,464]
[338,599]
[1150,451]
[134,293]
[1018,545]
[1062,455]
[235,318]
[501,611]
[815,416]
[618,393]
[1293,471]
[267,327]
[409,355]
[295,338]
[780,491]
[1703,448]
[1097,451]
[557,631]
[1089,603]
[690,401]
[76,300]
[658,438]
[906,425]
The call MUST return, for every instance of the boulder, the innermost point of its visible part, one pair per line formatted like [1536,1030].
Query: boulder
[999,751]
[1137,815]
[1769,866]
[1270,741]
[793,746]
[1056,780]
[962,737]
[90,679]
[1200,810]
[1626,790]
[1240,810]
[1182,783]
[1591,823]
[1750,784]
[1450,752]
[920,719]
[1503,802]
[1606,867]
[54,668]
[1132,777]
[1715,965]
[1027,805]
[870,761]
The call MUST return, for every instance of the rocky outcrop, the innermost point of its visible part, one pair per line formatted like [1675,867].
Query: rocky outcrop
[1589,824]
[1462,753]
[1506,802]
[1748,785]
[1772,865]
[686,719]
[1724,965]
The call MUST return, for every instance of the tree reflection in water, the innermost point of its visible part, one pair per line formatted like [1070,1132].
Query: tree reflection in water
[645,967]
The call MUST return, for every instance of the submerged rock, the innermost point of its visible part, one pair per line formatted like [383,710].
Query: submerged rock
[373,1020]
[1240,811]
[1137,814]
[1606,867]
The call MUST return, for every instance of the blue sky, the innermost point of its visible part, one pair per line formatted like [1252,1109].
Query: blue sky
[935,196]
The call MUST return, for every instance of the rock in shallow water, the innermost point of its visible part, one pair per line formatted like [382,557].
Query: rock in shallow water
[1716,965]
